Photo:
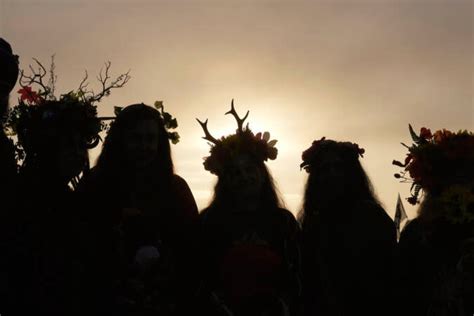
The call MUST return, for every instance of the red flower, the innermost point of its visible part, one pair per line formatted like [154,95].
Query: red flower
[26,93]
[425,133]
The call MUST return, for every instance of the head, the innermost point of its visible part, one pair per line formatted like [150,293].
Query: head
[335,176]
[8,73]
[137,141]
[56,141]
[244,179]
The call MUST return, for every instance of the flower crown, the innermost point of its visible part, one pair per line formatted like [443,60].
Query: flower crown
[437,161]
[168,121]
[311,154]
[244,141]
[75,109]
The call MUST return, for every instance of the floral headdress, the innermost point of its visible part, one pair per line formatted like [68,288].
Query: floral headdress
[243,142]
[318,147]
[75,109]
[169,121]
[441,163]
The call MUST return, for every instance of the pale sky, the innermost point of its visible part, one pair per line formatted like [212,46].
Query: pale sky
[348,70]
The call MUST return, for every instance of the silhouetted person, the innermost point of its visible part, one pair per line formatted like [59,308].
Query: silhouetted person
[143,218]
[437,247]
[249,242]
[348,242]
[45,261]
[8,78]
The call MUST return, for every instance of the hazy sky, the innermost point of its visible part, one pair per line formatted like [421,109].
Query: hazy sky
[348,70]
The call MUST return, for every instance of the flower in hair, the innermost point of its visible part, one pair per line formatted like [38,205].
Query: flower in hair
[436,161]
[42,108]
[243,142]
[319,147]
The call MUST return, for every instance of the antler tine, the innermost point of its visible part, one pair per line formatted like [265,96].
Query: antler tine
[208,135]
[240,121]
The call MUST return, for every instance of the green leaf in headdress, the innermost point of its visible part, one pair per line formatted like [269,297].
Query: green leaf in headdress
[117,110]
[414,136]
[159,105]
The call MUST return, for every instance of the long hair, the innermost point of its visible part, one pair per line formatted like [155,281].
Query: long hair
[111,160]
[357,188]
[269,196]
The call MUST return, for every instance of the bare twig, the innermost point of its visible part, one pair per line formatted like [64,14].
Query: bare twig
[104,77]
[35,77]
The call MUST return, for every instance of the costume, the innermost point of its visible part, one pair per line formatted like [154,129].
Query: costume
[436,247]
[250,257]
[348,242]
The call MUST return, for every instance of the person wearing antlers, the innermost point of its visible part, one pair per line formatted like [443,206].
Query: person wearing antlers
[249,246]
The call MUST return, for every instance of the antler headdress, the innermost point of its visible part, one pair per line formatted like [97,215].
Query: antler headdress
[243,142]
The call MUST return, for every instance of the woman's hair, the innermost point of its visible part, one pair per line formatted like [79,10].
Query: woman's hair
[269,196]
[111,159]
[357,187]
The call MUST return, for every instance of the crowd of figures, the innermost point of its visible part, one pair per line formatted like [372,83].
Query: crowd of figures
[127,238]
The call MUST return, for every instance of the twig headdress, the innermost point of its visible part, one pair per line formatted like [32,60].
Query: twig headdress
[243,142]
[37,110]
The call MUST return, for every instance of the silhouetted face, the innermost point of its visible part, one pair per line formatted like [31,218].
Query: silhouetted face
[243,178]
[140,143]
[330,176]
[71,155]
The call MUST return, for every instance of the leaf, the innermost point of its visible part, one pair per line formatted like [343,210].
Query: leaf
[174,137]
[272,143]
[173,123]
[266,136]
[117,110]
[166,117]
[158,105]
[397,163]
[414,136]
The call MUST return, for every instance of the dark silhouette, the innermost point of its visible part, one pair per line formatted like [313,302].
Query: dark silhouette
[437,247]
[348,242]
[44,254]
[8,170]
[142,218]
[8,77]
[249,242]
[44,230]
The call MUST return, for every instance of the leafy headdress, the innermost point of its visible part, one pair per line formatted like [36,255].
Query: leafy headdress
[318,148]
[442,164]
[40,114]
[170,123]
[244,142]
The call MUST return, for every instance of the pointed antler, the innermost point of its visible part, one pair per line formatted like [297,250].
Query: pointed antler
[208,135]
[240,121]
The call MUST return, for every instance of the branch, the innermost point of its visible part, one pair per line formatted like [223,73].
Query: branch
[35,78]
[104,77]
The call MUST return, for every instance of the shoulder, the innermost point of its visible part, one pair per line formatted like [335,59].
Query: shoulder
[372,212]
[286,220]
[178,182]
